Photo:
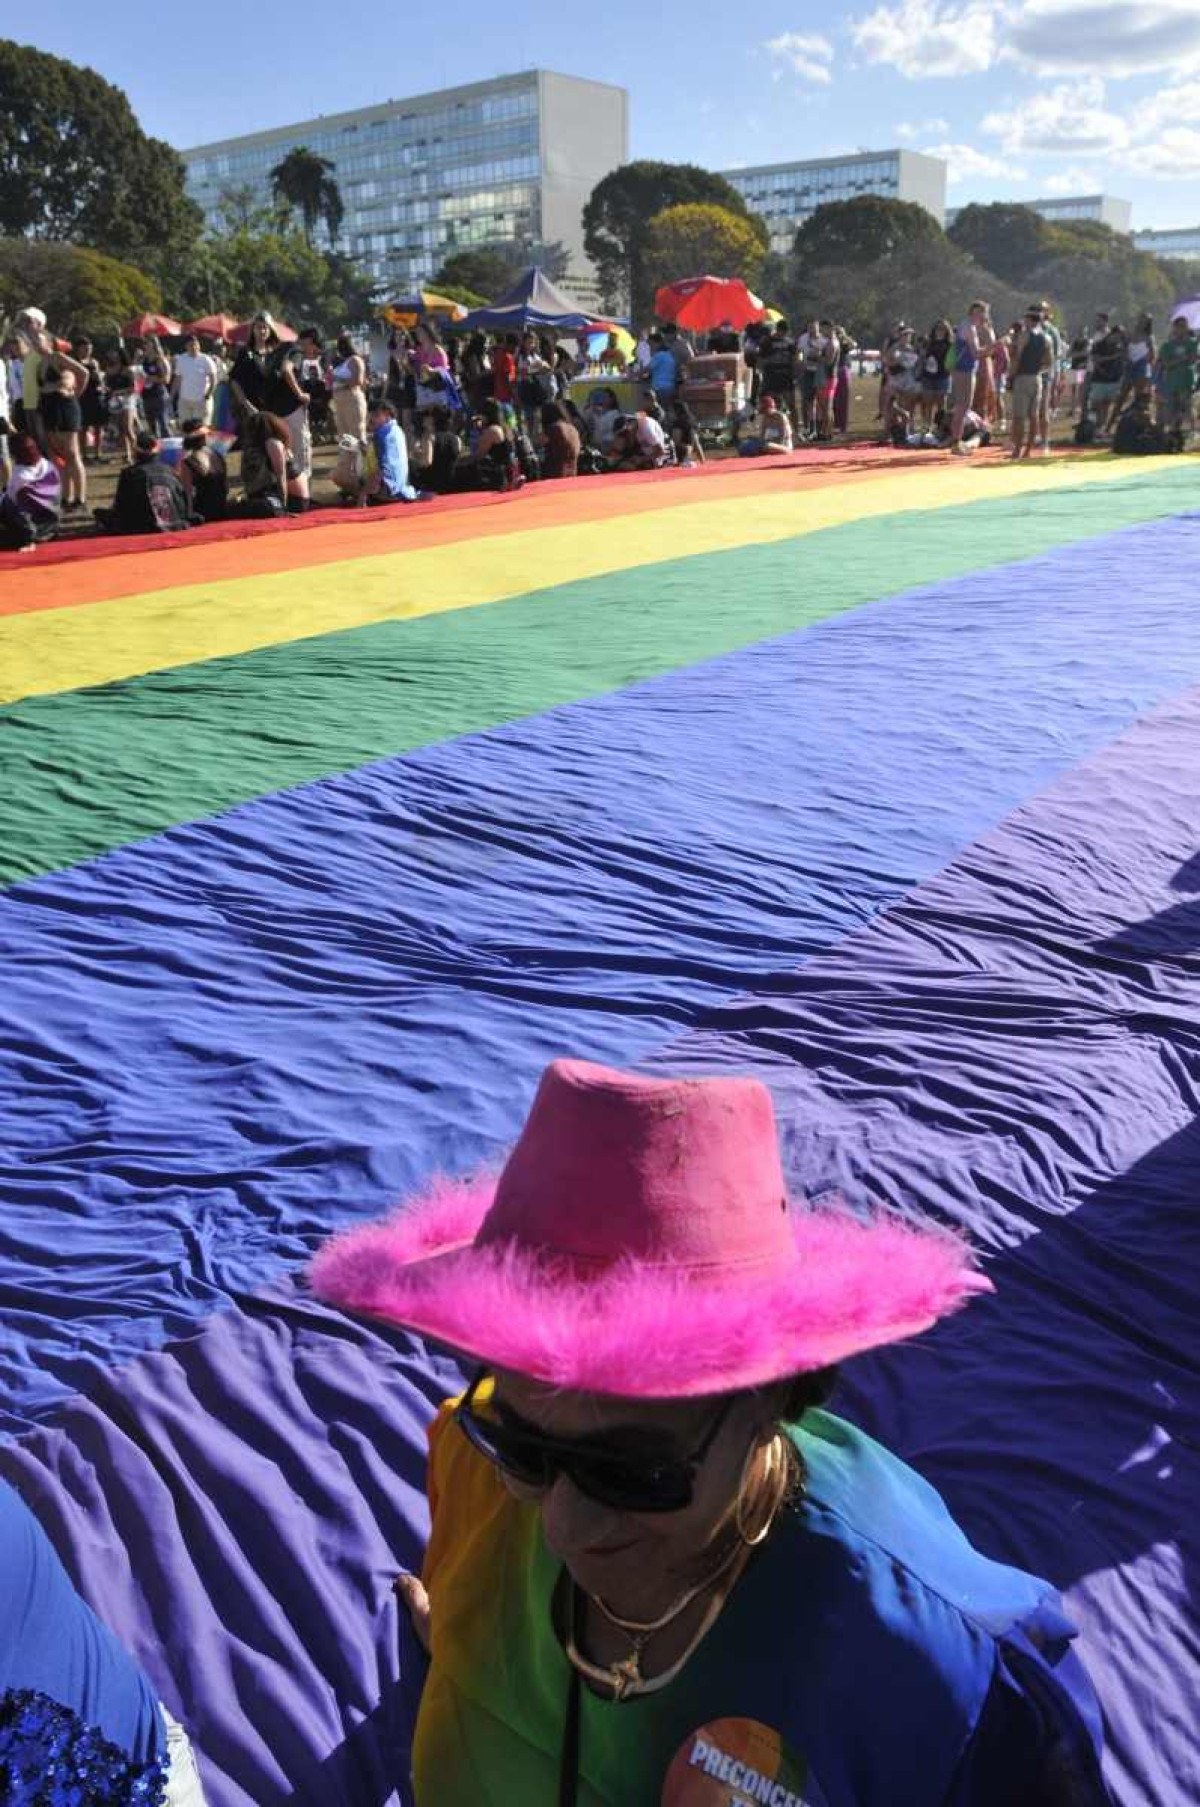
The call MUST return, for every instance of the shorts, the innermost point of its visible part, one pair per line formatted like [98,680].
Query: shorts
[1026,396]
[936,385]
[61,413]
[1104,392]
[1137,370]
[193,407]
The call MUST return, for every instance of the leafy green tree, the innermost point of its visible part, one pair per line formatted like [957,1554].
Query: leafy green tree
[276,268]
[305,184]
[75,164]
[617,216]
[80,290]
[454,291]
[1126,284]
[700,239]
[864,231]
[240,209]
[919,282]
[1006,238]
[490,269]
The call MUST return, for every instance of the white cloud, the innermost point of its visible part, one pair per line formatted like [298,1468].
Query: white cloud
[1104,37]
[1071,182]
[802,53]
[1112,38]
[965,162]
[1069,119]
[1174,153]
[926,128]
[929,37]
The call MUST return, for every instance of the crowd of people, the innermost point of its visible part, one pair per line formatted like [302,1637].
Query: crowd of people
[477,412]
[963,385]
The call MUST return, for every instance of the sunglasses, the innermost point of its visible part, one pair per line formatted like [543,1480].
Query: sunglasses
[612,1477]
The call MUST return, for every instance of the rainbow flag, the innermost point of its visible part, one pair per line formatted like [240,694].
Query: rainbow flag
[870,773]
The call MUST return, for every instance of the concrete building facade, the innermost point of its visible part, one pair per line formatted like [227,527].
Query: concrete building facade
[515,157]
[786,194]
[1107,209]
[1170,241]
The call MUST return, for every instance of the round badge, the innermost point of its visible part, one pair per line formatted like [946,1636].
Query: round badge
[735,1763]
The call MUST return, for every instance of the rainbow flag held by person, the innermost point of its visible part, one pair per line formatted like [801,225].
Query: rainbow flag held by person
[871,773]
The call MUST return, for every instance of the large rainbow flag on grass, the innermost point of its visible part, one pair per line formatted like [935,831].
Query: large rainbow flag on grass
[875,775]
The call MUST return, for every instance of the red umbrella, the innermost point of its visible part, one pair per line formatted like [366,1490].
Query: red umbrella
[152,323]
[287,334]
[703,302]
[212,326]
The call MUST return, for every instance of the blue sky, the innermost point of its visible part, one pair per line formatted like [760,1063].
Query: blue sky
[1023,97]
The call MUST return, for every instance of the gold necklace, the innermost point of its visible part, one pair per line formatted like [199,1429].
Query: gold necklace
[625,1679]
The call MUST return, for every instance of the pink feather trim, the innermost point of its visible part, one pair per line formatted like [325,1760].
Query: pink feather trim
[639,1331]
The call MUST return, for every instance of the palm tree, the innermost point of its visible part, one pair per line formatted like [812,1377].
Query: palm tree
[305,183]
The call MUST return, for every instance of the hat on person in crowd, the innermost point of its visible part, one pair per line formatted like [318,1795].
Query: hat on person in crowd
[147,446]
[639,1242]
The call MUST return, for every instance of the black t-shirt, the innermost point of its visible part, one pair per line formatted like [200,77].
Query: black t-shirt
[1108,358]
[777,360]
[261,381]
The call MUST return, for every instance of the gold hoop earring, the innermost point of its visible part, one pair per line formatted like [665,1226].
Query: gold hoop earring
[774,1452]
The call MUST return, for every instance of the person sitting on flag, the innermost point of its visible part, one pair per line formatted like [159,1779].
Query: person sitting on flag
[638,443]
[660,1569]
[79,1722]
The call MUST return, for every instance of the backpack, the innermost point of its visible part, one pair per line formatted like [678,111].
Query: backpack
[1085,431]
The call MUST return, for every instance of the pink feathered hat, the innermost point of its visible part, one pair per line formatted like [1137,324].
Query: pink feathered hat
[639,1242]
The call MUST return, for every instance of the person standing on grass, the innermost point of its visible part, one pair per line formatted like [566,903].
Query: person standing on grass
[31,325]
[664,372]
[1104,377]
[1033,360]
[63,381]
[156,386]
[1177,373]
[973,342]
[195,381]
[92,402]
[1051,387]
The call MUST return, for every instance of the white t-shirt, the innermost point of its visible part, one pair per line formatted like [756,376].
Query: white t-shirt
[196,373]
[652,441]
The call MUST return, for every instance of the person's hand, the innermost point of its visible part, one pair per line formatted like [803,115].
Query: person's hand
[413,1599]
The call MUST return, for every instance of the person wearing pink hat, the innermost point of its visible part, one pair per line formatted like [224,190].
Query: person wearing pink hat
[660,1571]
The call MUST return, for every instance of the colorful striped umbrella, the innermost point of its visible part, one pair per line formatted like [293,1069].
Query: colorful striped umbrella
[423,305]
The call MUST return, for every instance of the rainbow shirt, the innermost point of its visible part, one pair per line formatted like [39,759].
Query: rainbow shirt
[868,1656]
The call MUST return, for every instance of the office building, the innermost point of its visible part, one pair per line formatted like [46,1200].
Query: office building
[1170,241]
[1107,209]
[786,194]
[515,157]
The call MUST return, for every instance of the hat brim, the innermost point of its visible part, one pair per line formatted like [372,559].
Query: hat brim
[640,1331]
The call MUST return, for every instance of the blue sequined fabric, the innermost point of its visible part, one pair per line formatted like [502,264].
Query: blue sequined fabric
[49,1757]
